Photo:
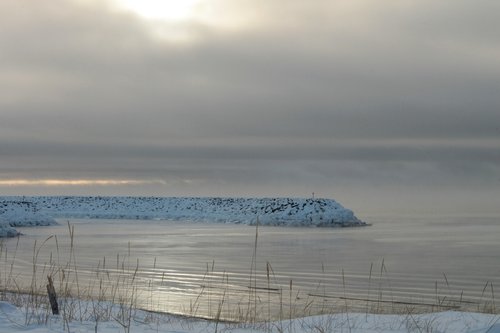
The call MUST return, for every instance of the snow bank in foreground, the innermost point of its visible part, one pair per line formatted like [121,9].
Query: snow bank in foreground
[13,319]
[269,211]
[20,213]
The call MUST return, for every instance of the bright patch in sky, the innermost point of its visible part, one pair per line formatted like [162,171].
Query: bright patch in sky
[169,10]
[73,182]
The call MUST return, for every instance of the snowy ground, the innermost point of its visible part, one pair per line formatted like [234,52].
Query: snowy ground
[13,319]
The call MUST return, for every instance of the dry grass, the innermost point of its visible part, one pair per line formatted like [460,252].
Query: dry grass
[114,292]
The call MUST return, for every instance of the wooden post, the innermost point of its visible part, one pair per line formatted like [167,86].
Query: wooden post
[52,296]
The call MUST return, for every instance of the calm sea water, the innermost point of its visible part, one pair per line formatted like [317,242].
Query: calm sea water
[203,268]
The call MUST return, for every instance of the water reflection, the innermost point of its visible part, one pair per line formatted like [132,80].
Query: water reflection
[210,269]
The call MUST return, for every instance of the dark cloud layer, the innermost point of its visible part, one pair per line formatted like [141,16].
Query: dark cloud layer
[341,98]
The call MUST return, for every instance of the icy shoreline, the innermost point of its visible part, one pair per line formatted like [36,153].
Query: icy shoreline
[27,211]
[39,320]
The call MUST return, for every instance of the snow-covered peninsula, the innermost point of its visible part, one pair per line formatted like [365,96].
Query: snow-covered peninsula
[20,213]
[17,211]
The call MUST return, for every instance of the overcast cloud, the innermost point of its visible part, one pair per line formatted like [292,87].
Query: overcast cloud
[373,103]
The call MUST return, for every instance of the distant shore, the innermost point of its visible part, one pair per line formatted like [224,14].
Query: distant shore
[42,210]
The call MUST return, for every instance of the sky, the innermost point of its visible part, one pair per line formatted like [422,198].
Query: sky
[386,106]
